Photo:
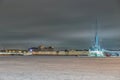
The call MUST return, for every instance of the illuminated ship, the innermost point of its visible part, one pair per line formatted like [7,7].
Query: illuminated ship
[96,50]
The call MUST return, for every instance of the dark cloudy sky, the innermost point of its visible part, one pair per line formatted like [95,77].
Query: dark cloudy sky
[61,23]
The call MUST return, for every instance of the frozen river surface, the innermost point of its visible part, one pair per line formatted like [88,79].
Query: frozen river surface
[58,68]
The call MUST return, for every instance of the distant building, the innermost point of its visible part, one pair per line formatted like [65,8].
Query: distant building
[41,48]
[13,51]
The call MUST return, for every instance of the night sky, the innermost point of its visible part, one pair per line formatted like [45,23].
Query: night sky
[60,23]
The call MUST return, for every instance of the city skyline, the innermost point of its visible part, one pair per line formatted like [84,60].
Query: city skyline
[62,24]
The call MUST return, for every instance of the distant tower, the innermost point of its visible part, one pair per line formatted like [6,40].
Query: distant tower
[96,50]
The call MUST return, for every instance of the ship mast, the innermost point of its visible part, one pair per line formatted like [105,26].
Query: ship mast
[96,35]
